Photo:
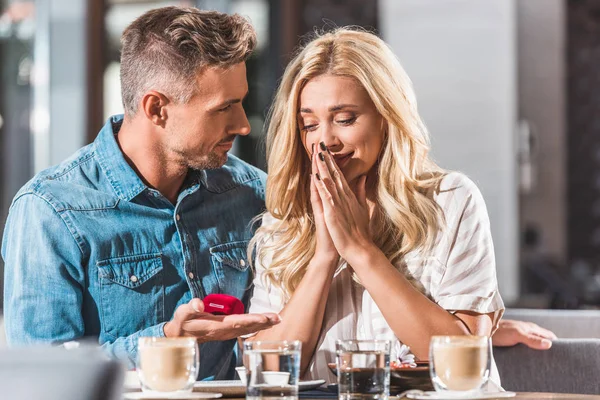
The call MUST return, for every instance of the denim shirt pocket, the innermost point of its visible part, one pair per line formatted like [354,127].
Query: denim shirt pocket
[231,267]
[132,293]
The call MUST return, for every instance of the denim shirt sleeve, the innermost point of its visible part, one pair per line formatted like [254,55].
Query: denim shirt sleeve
[44,280]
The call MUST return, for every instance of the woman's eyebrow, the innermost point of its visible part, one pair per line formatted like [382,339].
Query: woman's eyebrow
[337,107]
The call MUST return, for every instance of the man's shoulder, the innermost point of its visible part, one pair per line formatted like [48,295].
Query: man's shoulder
[233,174]
[72,184]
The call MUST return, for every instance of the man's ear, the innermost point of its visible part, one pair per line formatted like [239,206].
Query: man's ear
[154,107]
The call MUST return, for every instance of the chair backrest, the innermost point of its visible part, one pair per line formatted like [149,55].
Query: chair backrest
[569,366]
[564,323]
[59,374]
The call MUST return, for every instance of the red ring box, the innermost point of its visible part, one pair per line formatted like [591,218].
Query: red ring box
[222,304]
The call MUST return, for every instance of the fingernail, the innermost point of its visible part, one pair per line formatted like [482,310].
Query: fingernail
[547,343]
[323,147]
[318,177]
[193,304]
[321,157]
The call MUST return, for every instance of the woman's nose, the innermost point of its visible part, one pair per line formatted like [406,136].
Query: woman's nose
[328,138]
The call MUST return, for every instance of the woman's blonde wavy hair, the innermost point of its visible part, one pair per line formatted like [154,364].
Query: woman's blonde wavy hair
[406,217]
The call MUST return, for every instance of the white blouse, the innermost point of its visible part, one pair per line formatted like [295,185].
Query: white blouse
[458,274]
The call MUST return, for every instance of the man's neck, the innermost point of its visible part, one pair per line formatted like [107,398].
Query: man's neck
[143,153]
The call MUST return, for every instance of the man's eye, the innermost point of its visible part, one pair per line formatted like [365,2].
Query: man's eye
[225,108]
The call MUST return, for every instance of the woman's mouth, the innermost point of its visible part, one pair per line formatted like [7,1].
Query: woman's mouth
[342,159]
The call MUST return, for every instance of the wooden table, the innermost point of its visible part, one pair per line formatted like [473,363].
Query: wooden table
[519,396]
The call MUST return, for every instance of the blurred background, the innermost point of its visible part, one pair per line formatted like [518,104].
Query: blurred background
[509,89]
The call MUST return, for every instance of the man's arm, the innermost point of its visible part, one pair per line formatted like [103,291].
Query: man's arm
[45,280]
[43,275]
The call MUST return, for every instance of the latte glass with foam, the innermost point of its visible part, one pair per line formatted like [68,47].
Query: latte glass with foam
[459,364]
[167,365]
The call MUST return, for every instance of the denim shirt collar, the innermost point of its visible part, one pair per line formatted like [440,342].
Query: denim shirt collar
[125,182]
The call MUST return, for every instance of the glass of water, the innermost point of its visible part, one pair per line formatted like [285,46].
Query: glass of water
[272,369]
[363,369]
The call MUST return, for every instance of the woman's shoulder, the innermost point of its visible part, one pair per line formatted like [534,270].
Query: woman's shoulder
[456,191]
[268,219]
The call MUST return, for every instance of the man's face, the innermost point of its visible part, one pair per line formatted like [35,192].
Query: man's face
[201,132]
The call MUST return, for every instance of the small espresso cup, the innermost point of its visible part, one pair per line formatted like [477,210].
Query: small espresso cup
[459,364]
[167,365]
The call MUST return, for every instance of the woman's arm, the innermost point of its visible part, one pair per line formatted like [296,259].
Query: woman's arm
[302,316]
[412,316]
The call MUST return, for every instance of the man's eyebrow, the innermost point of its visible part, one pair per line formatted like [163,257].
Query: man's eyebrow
[232,101]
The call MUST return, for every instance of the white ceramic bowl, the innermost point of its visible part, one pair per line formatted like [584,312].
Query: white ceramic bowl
[276,378]
[270,377]
[241,371]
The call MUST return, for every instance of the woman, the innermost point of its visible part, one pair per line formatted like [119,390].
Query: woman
[365,237]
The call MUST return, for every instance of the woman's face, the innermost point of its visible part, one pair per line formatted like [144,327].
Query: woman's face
[338,111]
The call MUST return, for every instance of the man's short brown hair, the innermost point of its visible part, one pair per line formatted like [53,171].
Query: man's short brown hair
[165,48]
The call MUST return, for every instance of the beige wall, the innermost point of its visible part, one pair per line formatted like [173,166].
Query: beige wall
[461,57]
[541,68]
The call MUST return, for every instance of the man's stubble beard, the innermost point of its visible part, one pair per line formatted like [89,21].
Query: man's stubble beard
[211,161]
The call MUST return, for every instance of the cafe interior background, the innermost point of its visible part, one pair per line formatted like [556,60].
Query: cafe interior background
[509,89]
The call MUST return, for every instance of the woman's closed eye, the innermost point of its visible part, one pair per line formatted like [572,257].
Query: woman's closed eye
[309,128]
[347,121]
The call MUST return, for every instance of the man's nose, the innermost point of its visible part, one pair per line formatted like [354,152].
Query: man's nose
[243,125]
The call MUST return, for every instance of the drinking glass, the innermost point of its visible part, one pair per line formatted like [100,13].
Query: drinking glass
[167,364]
[363,369]
[459,364]
[272,369]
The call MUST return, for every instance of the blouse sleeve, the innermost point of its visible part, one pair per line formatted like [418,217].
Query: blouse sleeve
[469,280]
[266,298]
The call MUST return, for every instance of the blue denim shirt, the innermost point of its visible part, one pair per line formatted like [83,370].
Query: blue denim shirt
[90,250]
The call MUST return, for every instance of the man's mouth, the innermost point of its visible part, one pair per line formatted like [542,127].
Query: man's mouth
[226,145]
[342,159]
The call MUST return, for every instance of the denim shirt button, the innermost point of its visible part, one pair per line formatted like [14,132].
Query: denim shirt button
[177,217]
[191,275]
[242,263]
[133,278]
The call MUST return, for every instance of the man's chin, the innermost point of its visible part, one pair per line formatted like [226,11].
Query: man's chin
[212,161]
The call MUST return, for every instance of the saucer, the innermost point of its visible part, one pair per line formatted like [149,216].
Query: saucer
[238,389]
[170,396]
[431,395]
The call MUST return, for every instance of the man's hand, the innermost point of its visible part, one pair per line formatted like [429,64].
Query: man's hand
[191,320]
[511,332]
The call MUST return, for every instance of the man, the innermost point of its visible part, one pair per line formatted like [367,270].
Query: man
[124,238]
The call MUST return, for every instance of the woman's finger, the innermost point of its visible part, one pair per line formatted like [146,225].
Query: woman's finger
[361,191]
[327,199]
[326,179]
[536,342]
[542,332]
[314,193]
[335,172]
